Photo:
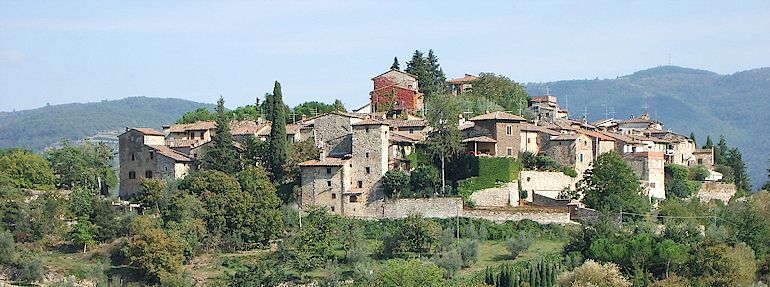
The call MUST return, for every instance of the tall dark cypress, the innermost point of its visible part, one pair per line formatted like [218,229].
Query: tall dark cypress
[437,77]
[277,141]
[709,143]
[222,155]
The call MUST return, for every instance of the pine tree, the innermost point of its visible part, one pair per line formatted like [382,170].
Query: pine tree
[395,65]
[418,66]
[437,79]
[222,154]
[709,143]
[277,141]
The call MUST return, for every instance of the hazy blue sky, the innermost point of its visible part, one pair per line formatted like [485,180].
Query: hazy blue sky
[76,51]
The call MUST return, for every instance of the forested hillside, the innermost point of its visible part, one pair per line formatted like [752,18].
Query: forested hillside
[686,100]
[39,128]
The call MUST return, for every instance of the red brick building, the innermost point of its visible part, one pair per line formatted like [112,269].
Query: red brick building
[396,91]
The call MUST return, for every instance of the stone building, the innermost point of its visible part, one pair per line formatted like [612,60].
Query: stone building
[575,150]
[461,85]
[143,154]
[346,182]
[546,108]
[649,167]
[495,134]
[704,157]
[396,92]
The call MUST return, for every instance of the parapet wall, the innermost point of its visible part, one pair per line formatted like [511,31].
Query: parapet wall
[547,183]
[506,195]
[716,190]
[447,207]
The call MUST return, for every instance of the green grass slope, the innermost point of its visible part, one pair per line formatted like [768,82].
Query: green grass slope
[686,100]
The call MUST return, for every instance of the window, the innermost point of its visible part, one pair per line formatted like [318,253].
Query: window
[509,130]
[509,150]
[652,185]
[148,174]
[700,161]
[366,129]
[131,175]
[332,208]
[411,131]
[328,170]
[581,157]
[329,184]
[202,133]
[528,140]
[367,155]
[334,195]
[353,198]
[360,184]
[368,170]
[133,157]
[152,155]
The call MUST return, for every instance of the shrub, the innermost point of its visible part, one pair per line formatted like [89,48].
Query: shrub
[698,172]
[469,252]
[449,260]
[516,245]
[394,183]
[28,270]
[594,274]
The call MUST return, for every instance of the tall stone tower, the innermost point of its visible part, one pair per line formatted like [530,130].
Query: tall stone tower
[369,163]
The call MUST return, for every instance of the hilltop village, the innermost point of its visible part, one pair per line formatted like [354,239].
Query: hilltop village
[357,149]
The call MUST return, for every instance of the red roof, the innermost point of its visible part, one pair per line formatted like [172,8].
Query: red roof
[170,153]
[480,139]
[395,70]
[369,122]
[330,161]
[464,79]
[503,116]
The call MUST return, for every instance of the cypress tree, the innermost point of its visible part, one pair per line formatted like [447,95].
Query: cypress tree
[222,154]
[735,161]
[277,145]
[692,137]
[721,150]
[395,65]
[268,106]
[709,143]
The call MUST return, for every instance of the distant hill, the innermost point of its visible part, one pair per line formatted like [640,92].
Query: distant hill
[39,128]
[686,100]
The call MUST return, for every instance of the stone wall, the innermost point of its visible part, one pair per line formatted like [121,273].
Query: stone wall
[716,190]
[334,130]
[503,196]
[545,183]
[540,200]
[448,207]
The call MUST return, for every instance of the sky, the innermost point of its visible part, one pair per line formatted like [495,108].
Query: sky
[55,52]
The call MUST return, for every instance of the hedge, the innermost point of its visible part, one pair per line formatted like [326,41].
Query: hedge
[491,172]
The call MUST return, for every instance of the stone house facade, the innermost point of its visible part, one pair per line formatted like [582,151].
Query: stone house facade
[649,167]
[143,154]
[396,91]
[502,128]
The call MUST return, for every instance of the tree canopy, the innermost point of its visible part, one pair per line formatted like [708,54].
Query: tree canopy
[611,185]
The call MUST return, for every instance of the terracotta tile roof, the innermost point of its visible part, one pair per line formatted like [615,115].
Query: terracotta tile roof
[330,161]
[540,99]
[406,123]
[369,122]
[534,128]
[181,143]
[565,137]
[703,151]
[246,127]
[196,126]
[170,153]
[149,131]
[466,125]
[498,116]
[620,137]
[395,86]
[480,139]
[406,137]
[464,79]
[395,70]
[598,135]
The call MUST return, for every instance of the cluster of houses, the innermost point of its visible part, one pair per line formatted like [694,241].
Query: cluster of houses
[357,148]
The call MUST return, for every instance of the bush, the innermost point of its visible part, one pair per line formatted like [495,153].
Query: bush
[28,270]
[449,260]
[394,183]
[469,252]
[594,274]
[698,172]
[413,272]
[516,245]
[491,172]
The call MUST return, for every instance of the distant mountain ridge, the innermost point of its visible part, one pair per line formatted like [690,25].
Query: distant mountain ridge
[686,100]
[39,128]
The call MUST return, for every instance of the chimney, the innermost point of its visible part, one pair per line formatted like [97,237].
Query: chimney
[322,154]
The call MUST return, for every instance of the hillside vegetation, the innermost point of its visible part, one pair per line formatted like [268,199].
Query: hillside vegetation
[686,100]
[39,128]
